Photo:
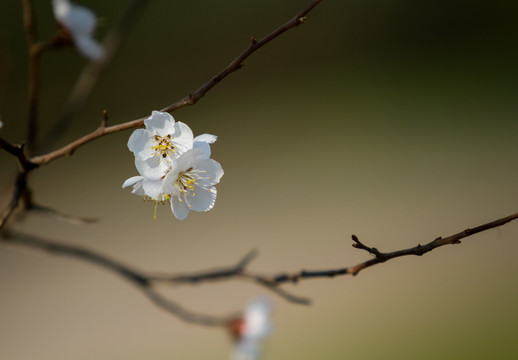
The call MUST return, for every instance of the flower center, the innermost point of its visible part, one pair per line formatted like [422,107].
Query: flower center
[163,146]
[187,179]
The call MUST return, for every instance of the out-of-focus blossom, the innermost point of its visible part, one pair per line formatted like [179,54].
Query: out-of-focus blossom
[250,330]
[79,22]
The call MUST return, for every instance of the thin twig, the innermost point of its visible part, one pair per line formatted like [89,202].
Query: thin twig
[209,275]
[381,257]
[190,99]
[185,315]
[237,63]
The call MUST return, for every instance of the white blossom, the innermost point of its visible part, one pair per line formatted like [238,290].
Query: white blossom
[173,166]
[80,23]
[250,330]
[147,189]
[190,182]
[159,143]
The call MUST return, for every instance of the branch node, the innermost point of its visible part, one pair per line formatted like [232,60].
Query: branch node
[253,40]
[104,120]
[301,20]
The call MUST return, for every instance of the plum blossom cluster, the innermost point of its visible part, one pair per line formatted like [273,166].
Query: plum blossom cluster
[174,166]
[249,330]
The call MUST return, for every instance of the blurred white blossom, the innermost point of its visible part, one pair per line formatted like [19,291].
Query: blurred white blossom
[250,330]
[80,24]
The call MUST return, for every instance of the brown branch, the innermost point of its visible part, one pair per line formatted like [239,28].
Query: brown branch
[273,283]
[142,281]
[190,99]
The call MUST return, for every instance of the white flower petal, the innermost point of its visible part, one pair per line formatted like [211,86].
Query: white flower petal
[202,200]
[160,123]
[204,147]
[183,136]
[153,189]
[153,168]
[213,169]
[179,208]
[185,161]
[132,181]
[206,138]
[139,144]
[202,142]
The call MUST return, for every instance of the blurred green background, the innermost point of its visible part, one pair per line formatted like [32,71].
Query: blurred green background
[392,120]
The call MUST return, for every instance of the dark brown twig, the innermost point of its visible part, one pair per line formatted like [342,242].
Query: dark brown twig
[237,63]
[380,257]
[190,99]
[34,77]
[20,192]
[18,152]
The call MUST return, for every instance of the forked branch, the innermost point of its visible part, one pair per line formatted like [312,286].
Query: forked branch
[146,281]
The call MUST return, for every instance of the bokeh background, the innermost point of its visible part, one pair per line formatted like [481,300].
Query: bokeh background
[393,120]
